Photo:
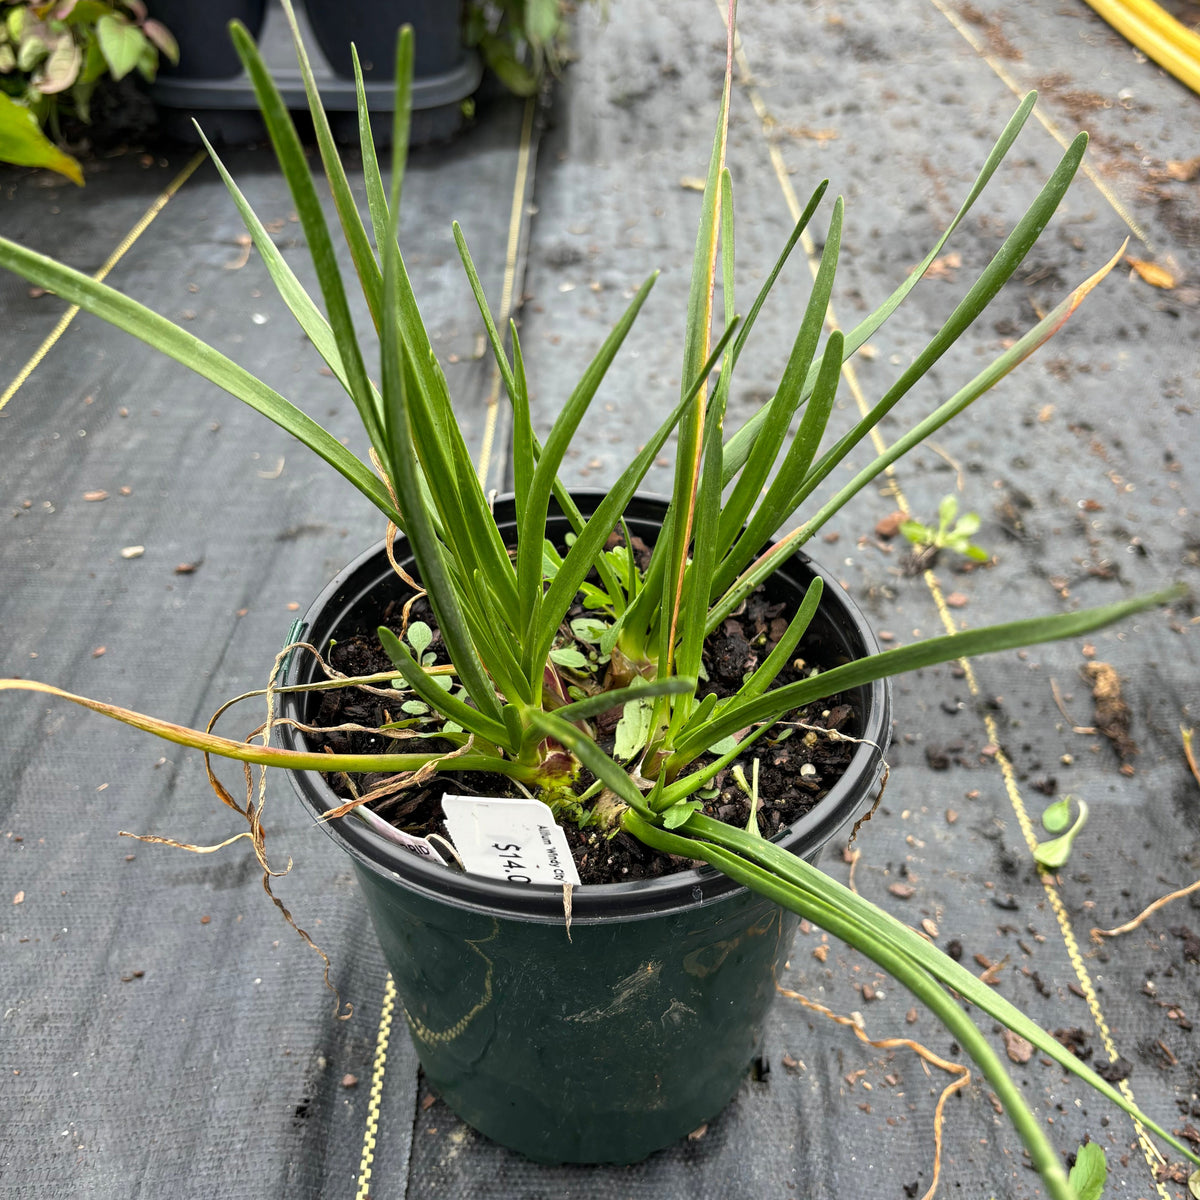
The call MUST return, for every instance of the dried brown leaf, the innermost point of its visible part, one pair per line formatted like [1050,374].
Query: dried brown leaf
[1184,170]
[1152,273]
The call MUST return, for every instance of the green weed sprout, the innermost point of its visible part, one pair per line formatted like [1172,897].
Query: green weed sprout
[1056,819]
[523,694]
[950,534]
[1090,1172]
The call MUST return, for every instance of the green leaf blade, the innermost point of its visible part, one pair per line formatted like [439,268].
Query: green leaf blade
[1090,1172]
[987,640]
[23,143]
[121,43]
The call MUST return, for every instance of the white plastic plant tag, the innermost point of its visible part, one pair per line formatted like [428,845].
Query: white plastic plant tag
[517,840]
[418,846]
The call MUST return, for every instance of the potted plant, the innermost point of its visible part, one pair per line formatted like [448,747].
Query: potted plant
[520,40]
[54,51]
[564,647]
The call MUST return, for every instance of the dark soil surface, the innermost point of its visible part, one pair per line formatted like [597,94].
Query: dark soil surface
[797,765]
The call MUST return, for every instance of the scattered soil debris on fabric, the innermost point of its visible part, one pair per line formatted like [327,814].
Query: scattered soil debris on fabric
[1111,712]
[1016,1047]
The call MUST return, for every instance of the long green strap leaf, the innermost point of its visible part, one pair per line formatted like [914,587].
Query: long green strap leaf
[463,510]
[527,450]
[408,479]
[489,323]
[272,756]
[588,542]
[377,203]
[698,338]
[797,885]
[752,316]
[437,697]
[365,263]
[524,456]
[1036,337]
[602,702]
[862,913]
[991,638]
[903,969]
[781,655]
[774,430]
[308,316]
[687,785]
[532,533]
[777,505]
[1016,354]
[739,446]
[293,164]
[170,339]
[1005,261]
[697,575]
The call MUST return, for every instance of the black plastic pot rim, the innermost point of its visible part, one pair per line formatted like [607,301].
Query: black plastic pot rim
[606,902]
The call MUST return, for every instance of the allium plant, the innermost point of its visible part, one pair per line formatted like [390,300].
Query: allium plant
[525,685]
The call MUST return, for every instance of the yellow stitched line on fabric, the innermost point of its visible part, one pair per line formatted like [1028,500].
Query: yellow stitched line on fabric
[1149,1151]
[806,241]
[1049,126]
[376,1097]
[115,257]
[510,273]
[1152,1157]
[432,1037]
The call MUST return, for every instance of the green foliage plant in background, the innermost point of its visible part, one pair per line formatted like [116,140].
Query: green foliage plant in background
[520,40]
[53,54]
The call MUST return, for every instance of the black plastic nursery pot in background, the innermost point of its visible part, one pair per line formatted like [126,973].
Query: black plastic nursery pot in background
[202,31]
[209,83]
[611,1041]
[371,25]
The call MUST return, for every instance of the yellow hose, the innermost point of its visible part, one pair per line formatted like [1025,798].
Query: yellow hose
[1156,33]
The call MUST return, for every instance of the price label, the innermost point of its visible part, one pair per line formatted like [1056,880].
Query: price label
[515,840]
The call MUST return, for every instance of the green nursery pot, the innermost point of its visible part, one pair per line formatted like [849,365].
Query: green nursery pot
[612,1040]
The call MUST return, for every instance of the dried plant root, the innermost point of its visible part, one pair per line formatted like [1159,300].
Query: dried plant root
[835,735]
[392,531]
[962,1073]
[399,783]
[342,1012]
[155,840]
[1099,934]
[883,782]
[852,857]
[1058,700]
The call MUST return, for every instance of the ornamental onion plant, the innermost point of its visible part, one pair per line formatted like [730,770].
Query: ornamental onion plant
[523,683]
